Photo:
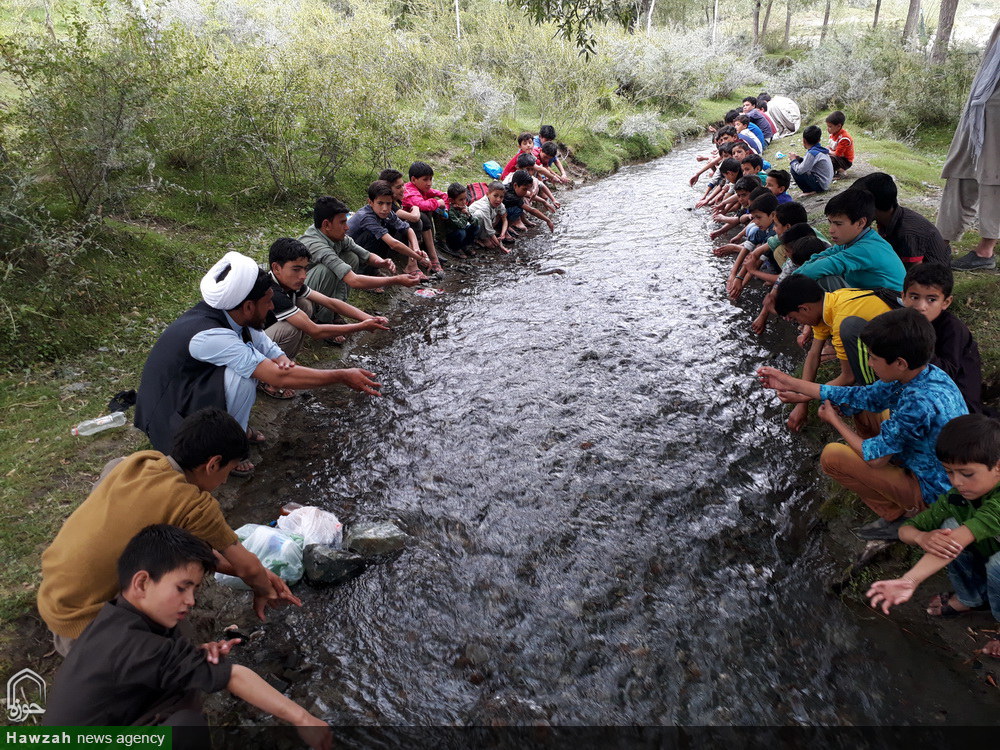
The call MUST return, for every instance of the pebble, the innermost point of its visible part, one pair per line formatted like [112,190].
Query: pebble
[377,538]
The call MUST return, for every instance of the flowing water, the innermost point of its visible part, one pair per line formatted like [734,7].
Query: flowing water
[611,524]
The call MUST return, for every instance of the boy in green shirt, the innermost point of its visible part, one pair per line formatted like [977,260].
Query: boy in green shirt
[961,530]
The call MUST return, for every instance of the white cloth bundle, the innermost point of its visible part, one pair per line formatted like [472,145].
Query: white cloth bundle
[234,288]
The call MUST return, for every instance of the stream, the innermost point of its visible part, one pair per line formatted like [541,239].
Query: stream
[611,524]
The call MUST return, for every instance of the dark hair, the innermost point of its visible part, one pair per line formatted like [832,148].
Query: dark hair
[883,189]
[456,189]
[729,165]
[525,137]
[969,439]
[853,203]
[764,203]
[836,118]
[782,177]
[730,116]
[900,334]
[747,183]
[390,175]
[812,135]
[763,96]
[496,185]
[547,132]
[791,213]
[802,249]
[549,148]
[521,177]
[755,161]
[743,119]
[206,433]
[762,105]
[759,190]
[726,130]
[286,249]
[930,274]
[794,291]
[379,188]
[726,149]
[524,161]
[421,169]
[751,99]
[325,209]
[159,549]
[796,229]
[741,144]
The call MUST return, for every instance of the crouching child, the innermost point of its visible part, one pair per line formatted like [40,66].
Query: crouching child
[492,216]
[961,531]
[133,666]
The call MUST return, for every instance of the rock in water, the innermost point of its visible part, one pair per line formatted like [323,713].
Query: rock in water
[377,538]
[325,564]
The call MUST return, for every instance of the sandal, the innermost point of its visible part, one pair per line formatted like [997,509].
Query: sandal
[282,394]
[943,601]
[255,436]
[243,469]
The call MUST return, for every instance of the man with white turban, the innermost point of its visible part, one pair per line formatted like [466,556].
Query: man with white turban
[216,352]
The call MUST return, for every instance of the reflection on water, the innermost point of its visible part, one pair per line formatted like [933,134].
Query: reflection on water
[612,525]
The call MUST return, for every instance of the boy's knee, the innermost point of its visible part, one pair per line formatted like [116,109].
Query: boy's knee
[834,456]
[950,523]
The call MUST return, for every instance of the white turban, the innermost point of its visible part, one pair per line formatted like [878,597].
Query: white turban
[234,288]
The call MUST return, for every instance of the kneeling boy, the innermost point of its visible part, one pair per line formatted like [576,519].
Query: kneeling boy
[132,665]
[961,530]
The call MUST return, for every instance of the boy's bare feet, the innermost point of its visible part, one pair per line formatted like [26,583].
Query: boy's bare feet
[992,649]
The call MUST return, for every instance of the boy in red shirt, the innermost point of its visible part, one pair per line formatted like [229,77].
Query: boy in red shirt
[841,143]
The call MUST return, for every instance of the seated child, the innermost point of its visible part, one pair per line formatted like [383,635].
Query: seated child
[913,237]
[778,182]
[758,118]
[418,193]
[539,192]
[812,173]
[961,531]
[756,193]
[765,261]
[492,216]
[798,243]
[547,134]
[378,229]
[725,140]
[729,172]
[515,204]
[525,144]
[410,215]
[753,166]
[760,228]
[927,289]
[895,473]
[460,227]
[841,143]
[133,666]
[859,255]
[748,133]
[839,317]
[741,189]
[290,321]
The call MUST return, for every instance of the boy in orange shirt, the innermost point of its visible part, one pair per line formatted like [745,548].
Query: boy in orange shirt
[841,143]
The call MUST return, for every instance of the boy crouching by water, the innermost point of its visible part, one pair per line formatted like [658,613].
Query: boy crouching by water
[961,530]
[896,473]
[133,666]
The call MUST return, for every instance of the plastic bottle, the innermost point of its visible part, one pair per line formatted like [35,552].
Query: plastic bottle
[116,419]
[289,507]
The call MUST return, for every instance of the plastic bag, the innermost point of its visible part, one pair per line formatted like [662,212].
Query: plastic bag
[493,169]
[279,551]
[315,525]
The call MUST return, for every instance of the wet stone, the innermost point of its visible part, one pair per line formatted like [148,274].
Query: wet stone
[378,538]
[325,564]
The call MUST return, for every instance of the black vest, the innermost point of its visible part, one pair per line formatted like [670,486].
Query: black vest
[175,384]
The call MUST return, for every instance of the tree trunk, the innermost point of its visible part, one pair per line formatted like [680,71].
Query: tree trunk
[826,21]
[649,17]
[715,21]
[788,22]
[756,21]
[767,17]
[946,20]
[458,23]
[878,7]
[912,16]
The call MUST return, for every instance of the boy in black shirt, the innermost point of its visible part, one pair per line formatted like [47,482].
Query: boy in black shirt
[927,288]
[131,665]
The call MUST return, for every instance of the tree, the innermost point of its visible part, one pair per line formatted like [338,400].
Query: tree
[878,7]
[946,21]
[826,20]
[576,18]
[912,16]
[767,17]
[788,21]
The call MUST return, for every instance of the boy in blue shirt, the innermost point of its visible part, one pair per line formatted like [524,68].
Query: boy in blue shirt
[896,473]
[961,530]
[859,254]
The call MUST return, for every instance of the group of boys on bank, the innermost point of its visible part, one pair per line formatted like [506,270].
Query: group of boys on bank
[907,397]
[123,570]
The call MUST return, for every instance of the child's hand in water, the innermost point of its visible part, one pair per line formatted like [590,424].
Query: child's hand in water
[891,593]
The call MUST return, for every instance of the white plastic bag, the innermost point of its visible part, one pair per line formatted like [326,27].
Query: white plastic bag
[279,551]
[317,526]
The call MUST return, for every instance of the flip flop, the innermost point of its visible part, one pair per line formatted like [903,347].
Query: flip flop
[282,394]
[947,612]
[243,469]
[255,436]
